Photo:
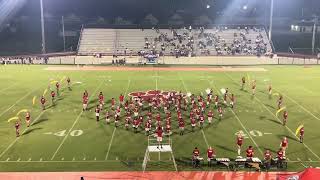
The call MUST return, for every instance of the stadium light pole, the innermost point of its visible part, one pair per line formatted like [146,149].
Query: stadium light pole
[42,29]
[314,33]
[63,34]
[271,20]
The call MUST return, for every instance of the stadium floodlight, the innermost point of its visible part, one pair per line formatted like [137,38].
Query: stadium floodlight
[244,7]
[208,6]
[42,29]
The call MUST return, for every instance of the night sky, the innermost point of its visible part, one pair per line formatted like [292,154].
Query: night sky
[162,9]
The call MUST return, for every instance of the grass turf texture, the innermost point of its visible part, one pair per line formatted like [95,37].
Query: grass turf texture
[55,143]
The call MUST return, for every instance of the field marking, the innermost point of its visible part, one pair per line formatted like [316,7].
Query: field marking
[280,121]
[74,123]
[110,143]
[114,130]
[240,122]
[1,90]
[302,107]
[13,142]
[24,96]
[185,87]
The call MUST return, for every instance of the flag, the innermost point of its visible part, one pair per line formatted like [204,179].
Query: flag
[45,92]
[298,129]
[34,100]
[13,118]
[22,110]
[281,109]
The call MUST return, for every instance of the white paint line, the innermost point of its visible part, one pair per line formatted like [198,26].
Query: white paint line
[204,137]
[19,159]
[29,159]
[40,159]
[74,123]
[8,159]
[110,143]
[84,158]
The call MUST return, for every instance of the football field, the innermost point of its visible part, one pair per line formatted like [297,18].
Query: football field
[64,138]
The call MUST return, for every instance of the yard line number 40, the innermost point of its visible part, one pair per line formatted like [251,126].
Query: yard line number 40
[254,133]
[73,133]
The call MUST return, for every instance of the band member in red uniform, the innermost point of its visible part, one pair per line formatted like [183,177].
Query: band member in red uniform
[225,99]
[193,123]
[270,90]
[159,133]
[210,116]
[69,83]
[280,100]
[211,155]
[43,101]
[196,157]
[216,101]
[181,126]
[239,143]
[254,86]
[233,99]
[28,118]
[147,127]
[108,117]
[113,102]
[285,118]
[301,132]
[284,145]
[280,157]
[53,94]
[127,122]
[97,111]
[101,100]
[84,102]
[121,99]
[17,127]
[116,120]
[135,124]
[243,80]
[267,159]
[58,88]
[220,111]
[168,128]
[250,152]
[201,121]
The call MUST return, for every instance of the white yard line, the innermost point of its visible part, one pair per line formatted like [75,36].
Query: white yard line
[110,143]
[13,142]
[4,89]
[202,132]
[74,123]
[240,122]
[281,122]
[114,130]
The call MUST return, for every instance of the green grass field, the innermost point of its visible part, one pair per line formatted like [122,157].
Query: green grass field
[63,138]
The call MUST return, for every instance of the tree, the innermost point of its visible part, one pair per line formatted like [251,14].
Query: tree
[176,19]
[122,21]
[150,20]
[202,20]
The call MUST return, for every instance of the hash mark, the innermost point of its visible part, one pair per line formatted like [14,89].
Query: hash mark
[8,159]
[19,159]
[73,159]
[62,159]
[84,158]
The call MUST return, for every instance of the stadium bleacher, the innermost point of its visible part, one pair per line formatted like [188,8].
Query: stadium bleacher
[176,42]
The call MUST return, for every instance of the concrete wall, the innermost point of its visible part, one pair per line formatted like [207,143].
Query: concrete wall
[203,60]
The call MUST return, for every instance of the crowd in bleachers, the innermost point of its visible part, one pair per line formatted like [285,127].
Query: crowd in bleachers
[200,41]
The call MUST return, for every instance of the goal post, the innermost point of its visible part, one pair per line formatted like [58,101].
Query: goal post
[154,148]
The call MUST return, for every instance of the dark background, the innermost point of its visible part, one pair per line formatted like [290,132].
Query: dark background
[21,31]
